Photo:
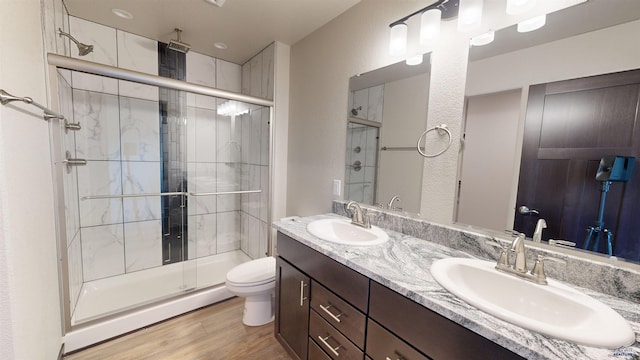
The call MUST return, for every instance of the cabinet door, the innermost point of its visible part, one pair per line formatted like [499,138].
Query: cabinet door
[292,308]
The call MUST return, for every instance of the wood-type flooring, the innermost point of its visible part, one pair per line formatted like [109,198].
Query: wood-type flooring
[211,333]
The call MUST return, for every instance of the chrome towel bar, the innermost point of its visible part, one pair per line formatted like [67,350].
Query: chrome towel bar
[6,98]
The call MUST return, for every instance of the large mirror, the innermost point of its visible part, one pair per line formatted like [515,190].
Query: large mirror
[588,40]
[387,111]
[595,37]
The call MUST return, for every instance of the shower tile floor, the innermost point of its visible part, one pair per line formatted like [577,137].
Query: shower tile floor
[214,332]
[111,295]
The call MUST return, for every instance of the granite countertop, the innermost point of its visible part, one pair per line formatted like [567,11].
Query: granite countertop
[403,263]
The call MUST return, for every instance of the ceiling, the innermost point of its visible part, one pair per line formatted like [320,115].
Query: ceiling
[245,26]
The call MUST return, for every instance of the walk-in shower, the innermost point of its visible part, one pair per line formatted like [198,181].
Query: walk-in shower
[174,193]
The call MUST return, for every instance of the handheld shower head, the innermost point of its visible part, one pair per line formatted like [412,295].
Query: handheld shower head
[178,45]
[83,49]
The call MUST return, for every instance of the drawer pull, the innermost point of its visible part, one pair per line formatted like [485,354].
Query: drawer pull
[326,309]
[302,297]
[334,350]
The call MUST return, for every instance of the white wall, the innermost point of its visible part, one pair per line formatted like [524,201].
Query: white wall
[608,50]
[321,65]
[405,117]
[30,321]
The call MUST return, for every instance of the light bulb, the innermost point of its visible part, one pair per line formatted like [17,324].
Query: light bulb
[519,6]
[532,24]
[430,25]
[469,15]
[414,60]
[483,39]
[398,40]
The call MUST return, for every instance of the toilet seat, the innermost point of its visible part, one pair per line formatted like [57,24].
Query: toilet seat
[253,273]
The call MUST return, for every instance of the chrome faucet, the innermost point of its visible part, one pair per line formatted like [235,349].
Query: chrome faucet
[537,234]
[517,247]
[357,217]
[390,204]
[519,266]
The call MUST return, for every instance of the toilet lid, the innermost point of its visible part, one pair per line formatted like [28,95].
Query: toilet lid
[253,272]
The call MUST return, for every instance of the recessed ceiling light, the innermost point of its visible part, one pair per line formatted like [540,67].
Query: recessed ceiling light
[220,45]
[122,13]
[217,3]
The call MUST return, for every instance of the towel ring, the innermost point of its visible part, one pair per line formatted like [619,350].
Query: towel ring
[440,129]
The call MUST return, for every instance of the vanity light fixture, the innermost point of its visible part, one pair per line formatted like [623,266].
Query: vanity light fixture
[519,6]
[398,39]
[470,15]
[483,39]
[532,24]
[429,25]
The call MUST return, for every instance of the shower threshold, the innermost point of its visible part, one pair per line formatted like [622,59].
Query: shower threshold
[115,294]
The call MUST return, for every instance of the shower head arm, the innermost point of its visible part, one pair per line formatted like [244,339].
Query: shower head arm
[60,33]
[83,49]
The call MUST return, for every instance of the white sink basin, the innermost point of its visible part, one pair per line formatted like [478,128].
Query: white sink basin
[343,232]
[555,309]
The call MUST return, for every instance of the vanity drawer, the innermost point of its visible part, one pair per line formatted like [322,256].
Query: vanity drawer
[381,344]
[337,312]
[347,283]
[315,353]
[336,345]
[429,332]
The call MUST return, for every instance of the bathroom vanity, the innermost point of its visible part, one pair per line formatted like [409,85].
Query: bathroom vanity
[337,301]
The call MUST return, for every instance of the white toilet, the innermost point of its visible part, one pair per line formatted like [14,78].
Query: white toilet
[254,280]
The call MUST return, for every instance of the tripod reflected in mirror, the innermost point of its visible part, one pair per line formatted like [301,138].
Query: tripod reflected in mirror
[611,169]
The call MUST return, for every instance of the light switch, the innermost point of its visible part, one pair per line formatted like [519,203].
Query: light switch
[337,185]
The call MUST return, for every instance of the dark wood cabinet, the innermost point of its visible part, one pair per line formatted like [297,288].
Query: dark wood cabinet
[292,308]
[432,334]
[325,310]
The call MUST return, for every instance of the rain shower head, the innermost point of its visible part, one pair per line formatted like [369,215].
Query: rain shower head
[83,49]
[178,45]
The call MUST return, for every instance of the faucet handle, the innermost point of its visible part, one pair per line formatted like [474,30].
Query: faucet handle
[503,260]
[538,268]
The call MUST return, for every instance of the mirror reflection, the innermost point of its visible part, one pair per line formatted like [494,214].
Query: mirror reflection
[387,112]
[546,113]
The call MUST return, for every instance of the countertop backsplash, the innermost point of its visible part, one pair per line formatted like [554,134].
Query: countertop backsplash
[618,281]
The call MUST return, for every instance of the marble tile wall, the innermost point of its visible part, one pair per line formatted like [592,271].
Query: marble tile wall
[257,80]
[121,142]
[120,139]
[362,146]
[368,102]
[213,155]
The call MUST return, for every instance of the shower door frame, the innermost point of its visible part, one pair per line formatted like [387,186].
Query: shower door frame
[57,61]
